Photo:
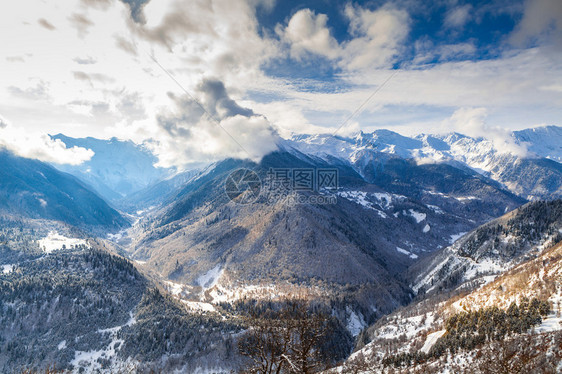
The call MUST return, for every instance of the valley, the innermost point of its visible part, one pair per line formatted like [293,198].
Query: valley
[173,275]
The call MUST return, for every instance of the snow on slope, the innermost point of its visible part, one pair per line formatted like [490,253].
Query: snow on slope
[7,269]
[210,278]
[482,155]
[544,141]
[431,340]
[89,361]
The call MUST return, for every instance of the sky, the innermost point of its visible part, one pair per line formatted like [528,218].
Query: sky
[200,80]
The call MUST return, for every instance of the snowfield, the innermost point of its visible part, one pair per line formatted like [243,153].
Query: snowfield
[54,242]
[210,278]
[7,269]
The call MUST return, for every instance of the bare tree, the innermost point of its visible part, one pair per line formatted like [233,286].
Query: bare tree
[284,341]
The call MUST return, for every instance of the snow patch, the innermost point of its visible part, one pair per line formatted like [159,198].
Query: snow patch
[417,215]
[89,360]
[553,322]
[486,266]
[436,209]
[210,278]
[199,306]
[431,339]
[355,323]
[426,228]
[456,237]
[413,256]
[7,269]
[54,242]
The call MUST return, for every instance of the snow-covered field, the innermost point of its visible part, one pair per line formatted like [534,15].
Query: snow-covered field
[54,242]
[7,269]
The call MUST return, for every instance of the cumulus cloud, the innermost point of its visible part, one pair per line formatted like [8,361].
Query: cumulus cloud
[39,146]
[376,36]
[217,101]
[216,128]
[307,32]
[472,122]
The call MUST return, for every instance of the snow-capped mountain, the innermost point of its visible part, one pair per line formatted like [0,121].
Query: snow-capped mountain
[118,168]
[532,176]
[388,239]
[543,141]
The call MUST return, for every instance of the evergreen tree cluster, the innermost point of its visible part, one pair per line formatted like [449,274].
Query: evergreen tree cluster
[531,223]
[469,330]
[63,299]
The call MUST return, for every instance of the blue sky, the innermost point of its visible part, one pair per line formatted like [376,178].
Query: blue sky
[266,68]
[483,24]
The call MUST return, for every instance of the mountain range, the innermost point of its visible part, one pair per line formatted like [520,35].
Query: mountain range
[404,227]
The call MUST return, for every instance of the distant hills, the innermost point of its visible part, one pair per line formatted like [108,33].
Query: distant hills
[34,189]
[118,168]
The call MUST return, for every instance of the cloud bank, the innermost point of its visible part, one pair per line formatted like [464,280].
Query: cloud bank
[39,146]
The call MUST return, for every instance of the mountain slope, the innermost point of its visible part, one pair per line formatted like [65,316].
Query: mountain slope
[87,310]
[155,194]
[356,246]
[491,249]
[410,333]
[34,189]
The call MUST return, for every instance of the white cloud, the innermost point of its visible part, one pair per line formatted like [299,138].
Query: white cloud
[39,146]
[95,78]
[376,36]
[542,22]
[189,134]
[458,16]
[85,68]
[307,33]
[472,122]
